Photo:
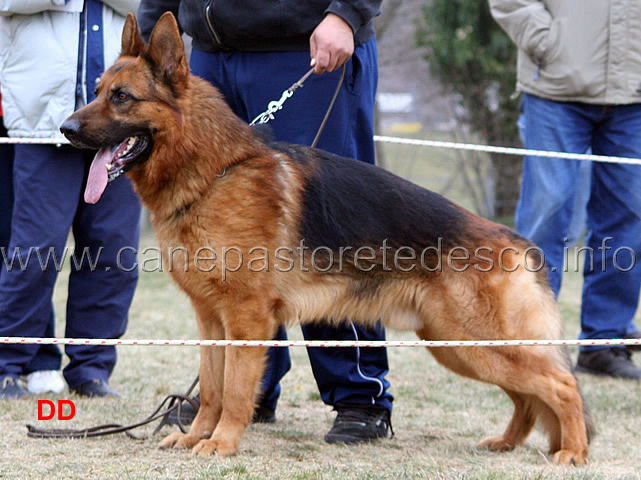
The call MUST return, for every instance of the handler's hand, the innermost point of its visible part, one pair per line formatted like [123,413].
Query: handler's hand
[331,44]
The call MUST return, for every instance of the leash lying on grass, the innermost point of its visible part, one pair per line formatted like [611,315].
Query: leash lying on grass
[174,401]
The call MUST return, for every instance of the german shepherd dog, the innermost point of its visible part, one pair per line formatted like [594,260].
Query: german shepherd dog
[346,241]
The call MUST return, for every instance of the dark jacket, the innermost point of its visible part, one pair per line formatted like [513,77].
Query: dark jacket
[258,25]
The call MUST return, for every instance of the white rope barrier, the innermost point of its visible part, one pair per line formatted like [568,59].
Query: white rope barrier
[337,343]
[506,150]
[412,141]
[318,343]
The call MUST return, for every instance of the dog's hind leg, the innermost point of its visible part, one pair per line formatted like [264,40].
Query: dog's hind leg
[560,393]
[527,409]
[560,406]
[520,426]
[526,371]
[211,375]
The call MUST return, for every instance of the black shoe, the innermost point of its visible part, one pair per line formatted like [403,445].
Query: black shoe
[10,389]
[358,423]
[633,336]
[187,412]
[95,388]
[262,414]
[614,362]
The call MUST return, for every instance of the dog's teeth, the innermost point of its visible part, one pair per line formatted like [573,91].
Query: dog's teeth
[130,144]
[109,166]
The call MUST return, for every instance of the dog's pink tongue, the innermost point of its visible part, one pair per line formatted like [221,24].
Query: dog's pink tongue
[97,180]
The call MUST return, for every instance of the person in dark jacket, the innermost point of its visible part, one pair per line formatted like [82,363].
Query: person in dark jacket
[252,51]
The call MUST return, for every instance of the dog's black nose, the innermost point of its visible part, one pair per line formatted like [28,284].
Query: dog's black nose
[70,128]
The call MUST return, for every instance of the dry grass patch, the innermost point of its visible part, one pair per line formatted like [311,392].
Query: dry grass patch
[438,417]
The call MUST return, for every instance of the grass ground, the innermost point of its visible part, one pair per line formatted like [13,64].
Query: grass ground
[438,416]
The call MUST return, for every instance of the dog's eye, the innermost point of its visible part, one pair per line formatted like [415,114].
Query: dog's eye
[121,97]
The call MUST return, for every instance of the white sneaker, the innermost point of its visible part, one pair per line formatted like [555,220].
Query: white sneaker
[44,381]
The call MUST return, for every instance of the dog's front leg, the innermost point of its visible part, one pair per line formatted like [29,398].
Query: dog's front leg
[243,370]
[212,365]
[244,367]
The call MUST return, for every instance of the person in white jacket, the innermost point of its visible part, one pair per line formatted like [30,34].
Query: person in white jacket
[579,68]
[52,53]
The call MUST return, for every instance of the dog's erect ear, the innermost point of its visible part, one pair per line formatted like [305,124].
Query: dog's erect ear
[132,42]
[167,52]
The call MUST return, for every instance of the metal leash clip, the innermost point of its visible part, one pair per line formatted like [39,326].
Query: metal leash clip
[275,105]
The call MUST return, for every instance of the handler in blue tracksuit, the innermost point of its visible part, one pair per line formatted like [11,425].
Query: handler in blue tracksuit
[53,57]
[252,51]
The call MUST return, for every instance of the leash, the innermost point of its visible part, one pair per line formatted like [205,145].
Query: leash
[275,105]
[174,401]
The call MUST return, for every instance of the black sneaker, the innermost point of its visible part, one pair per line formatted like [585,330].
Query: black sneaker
[358,423]
[613,362]
[10,389]
[95,388]
[187,412]
[262,414]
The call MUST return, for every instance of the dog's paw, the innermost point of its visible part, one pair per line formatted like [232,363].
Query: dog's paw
[178,440]
[568,457]
[205,448]
[496,444]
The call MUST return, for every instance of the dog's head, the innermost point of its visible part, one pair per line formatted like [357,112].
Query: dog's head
[136,100]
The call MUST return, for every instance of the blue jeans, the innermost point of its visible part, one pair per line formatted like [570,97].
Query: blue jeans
[249,81]
[548,190]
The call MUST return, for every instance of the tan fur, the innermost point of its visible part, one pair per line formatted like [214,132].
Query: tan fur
[257,203]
